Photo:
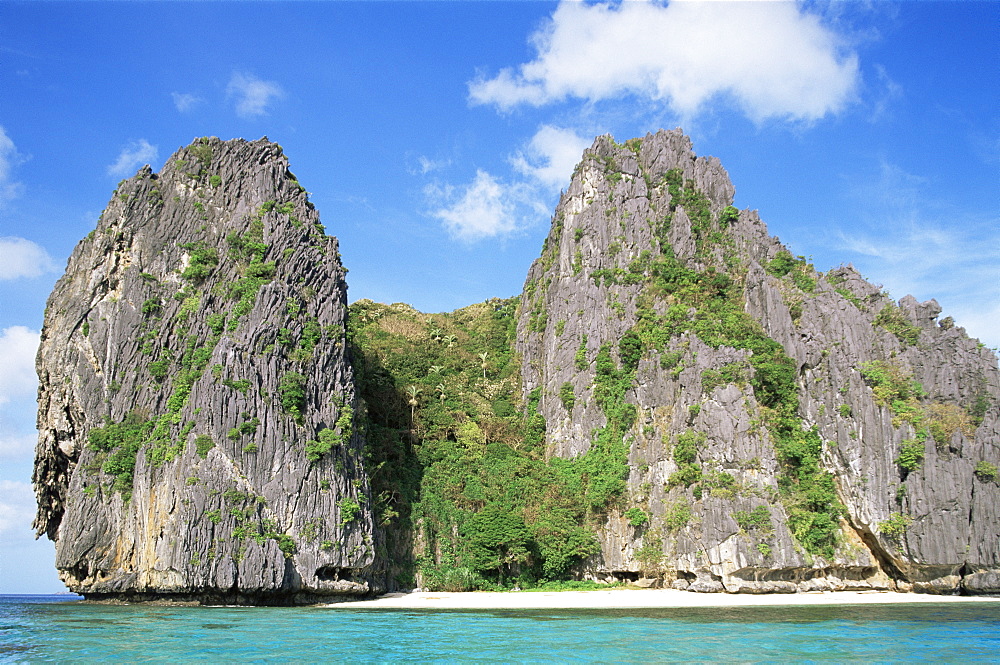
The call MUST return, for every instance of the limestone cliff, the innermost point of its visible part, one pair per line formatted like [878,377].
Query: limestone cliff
[843,456]
[196,400]
[674,397]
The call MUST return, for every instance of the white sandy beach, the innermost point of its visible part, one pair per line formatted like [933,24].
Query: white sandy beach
[639,598]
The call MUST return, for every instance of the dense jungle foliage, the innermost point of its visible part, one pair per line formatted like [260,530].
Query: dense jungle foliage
[457,454]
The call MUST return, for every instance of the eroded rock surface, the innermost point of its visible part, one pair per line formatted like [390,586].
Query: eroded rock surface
[913,513]
[196,404]
[761,427]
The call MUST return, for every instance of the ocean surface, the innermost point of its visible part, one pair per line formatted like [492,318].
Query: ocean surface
[39,628]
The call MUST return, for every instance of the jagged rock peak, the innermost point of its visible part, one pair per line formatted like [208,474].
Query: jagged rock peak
[652,156]
[196,400]
[664,330]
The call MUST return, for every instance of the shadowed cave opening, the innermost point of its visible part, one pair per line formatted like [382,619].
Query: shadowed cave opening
[335,574]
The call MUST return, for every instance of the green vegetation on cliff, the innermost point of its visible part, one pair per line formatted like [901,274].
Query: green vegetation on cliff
[457,454]
[707,301]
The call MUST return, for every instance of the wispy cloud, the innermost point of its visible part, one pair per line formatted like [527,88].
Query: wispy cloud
[18,346]
[185,101]
[9,158]
[17,446]
[550,156]
[18,385]
[252,95]
[914,244]
[957,267]
[20,257]
[490,207]
[772,59]
[17,507]
[426,165]
[887,92]
[132,156]
[986,144]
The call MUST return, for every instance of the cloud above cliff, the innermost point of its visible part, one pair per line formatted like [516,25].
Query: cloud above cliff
[18,384]
[18,447]
[252,95]
[550,156]
[185,101]
[20,257]
[132,156]
[9,158]
[771,59]
[914,242]
[17,508]
[489,207]
[18,346]
[485,208]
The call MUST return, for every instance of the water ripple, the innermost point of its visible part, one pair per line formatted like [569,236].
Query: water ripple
[38,629]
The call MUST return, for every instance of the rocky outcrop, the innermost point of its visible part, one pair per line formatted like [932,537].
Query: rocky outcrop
[892,410]
[742,422]
[196,400]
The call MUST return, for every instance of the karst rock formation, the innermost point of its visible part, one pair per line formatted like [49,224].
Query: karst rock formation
[928,525]
[202,436]
[191,354]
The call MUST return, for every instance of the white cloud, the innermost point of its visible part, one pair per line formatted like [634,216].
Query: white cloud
[955,264]
[771,58]
[17,507]
[551,156]
[980,321]
[184,101]
[252,94]
[132,156]
[18,346]
[8,160]
[23,258]
[489,207]
[17,446]
[485,208]
[425,164]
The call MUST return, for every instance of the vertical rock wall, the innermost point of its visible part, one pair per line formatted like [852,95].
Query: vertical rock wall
[931,528]
[196,400]
[201,436]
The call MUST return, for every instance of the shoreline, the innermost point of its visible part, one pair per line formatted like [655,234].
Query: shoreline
[637,599]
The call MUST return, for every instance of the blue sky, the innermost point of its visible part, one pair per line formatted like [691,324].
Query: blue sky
[435,137]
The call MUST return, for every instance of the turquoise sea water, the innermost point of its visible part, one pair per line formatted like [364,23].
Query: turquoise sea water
[36,628]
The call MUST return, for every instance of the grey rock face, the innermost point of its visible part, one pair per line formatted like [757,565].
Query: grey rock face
[197,402]
[933,527]
[206,312]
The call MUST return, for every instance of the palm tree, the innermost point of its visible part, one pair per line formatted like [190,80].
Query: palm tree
[482,357]
[440,389]
[450,340]
[436,369]
[412,392]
